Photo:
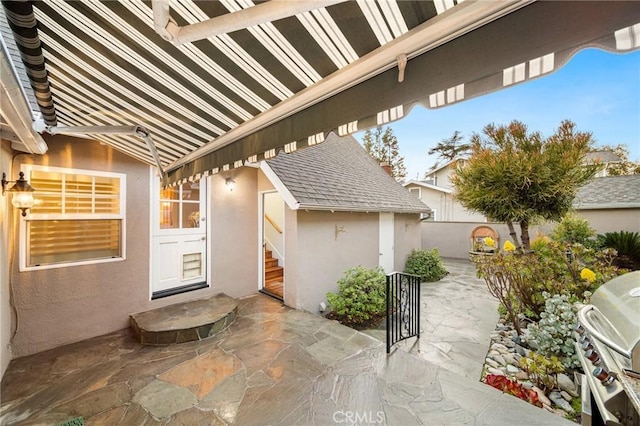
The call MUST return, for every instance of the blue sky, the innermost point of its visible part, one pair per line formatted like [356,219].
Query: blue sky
[597,90]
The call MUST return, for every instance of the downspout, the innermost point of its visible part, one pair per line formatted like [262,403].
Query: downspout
[259,14]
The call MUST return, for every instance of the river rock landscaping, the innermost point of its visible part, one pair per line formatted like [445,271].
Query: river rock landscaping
[507,350]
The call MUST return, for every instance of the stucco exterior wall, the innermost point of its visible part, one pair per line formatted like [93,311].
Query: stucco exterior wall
[324,254]
[453,239]
[613,220]
[64,305]
[406,238]
[234,233]
[6,213]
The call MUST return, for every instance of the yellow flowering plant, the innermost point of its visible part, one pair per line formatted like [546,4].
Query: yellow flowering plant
[489,242]
[508,246]
[588,275]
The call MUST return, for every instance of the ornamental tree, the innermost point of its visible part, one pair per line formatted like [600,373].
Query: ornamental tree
[449,149]
[517,176]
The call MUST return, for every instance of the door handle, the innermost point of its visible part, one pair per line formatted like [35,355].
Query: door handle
[203,238]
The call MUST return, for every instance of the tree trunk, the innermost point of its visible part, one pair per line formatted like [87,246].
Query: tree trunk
[514,236]
[524,230]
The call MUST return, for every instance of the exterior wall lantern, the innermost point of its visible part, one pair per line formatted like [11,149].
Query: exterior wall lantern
[231,184]
[22,193]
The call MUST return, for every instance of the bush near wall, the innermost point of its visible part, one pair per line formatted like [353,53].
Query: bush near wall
[427,264]
[360,297]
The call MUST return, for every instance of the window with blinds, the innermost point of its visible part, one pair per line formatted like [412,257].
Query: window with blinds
[78,218]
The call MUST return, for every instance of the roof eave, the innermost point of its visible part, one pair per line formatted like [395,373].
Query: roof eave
[607,206]
[358,209]
[288,197]
[434,187]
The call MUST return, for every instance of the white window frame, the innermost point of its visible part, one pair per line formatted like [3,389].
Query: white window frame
[34,215]
[419,191]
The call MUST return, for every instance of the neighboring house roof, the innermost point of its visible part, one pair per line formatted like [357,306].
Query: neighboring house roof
[601,156]
[424,184]
[339,175]
[610,192]
[444,166]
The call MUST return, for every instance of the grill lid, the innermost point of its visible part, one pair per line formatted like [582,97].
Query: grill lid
[613,318]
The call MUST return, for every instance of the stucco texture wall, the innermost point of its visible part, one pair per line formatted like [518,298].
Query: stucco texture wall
[406,238]
[64,305]
[7,214]
[610,220]
[453,239]
[234,233]
[328,244]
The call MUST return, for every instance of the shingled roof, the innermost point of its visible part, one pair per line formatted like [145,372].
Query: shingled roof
[609,192]
[602,157]
[339,175]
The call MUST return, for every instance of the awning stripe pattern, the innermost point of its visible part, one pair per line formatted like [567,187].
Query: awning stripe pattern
[568,28]
[24,26]
[108,67]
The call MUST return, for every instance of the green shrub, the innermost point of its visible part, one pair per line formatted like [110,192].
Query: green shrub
[519,280]
[426,264]
[542,371]
[573,229]
[361,294]
[627,244]
[554,332]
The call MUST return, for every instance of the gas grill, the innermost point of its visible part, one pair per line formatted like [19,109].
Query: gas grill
[608,345]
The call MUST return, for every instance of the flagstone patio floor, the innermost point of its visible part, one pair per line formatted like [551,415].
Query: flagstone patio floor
[274,365]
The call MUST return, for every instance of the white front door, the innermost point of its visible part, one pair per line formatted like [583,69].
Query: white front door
[179,234]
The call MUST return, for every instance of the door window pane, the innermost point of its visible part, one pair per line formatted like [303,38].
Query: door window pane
[180,206]
[191,191]
[191,215]
[169,215]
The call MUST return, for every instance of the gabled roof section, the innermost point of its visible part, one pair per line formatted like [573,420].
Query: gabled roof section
[424,184]
[609,192]
[339,175]
[444,166]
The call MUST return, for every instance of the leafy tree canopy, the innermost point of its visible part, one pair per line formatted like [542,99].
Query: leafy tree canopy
[448,149]
[382,145]
[517,176]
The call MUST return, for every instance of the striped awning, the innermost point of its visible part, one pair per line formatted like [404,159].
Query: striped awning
[218,94]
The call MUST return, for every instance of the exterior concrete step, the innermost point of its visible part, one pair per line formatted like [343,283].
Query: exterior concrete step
[184,322]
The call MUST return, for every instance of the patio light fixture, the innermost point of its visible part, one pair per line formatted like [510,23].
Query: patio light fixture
[231,184]
[23,193]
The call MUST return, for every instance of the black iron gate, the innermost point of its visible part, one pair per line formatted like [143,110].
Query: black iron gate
[403,307]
